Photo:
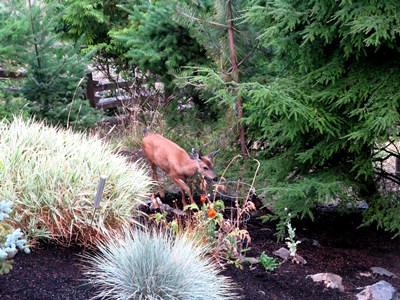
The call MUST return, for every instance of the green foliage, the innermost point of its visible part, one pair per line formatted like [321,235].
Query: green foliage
[156,42]
[328,102]
[290,239]
[55,70]
[10,104]
[207,22]
[385,213]
[82,18]
[51,176]
[269,263]
[155,265]
[93,23]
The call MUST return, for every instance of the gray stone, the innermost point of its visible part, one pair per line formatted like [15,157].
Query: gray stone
[251,260]
[330,280]
[382,271]
[282,253]
[299,260]
[381,290]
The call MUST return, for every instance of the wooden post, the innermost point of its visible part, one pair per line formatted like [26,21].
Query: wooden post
[90,91]
[397,171]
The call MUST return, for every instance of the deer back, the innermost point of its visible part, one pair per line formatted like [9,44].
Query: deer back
[168,156]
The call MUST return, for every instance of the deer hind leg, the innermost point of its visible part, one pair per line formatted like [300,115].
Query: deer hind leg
[185,189]
[155,178]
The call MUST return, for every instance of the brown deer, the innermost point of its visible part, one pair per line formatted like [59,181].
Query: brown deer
[175,161]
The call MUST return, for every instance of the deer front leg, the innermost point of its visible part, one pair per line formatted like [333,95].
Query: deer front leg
[185,189]
[155,178]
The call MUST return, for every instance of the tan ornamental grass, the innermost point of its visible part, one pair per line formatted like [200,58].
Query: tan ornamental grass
[51,175]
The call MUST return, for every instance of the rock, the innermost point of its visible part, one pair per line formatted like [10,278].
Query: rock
[381,290]
[382,271]
[285,254]
[282,253]
[299,260]
[251,260]
[313,242]
[332,281]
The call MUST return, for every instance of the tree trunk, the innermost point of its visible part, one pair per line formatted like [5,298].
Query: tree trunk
[34,36]
[235,75]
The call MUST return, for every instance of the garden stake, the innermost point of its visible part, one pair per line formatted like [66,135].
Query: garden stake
[99,193]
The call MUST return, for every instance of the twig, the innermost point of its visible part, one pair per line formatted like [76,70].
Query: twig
[201,20]
[223,173]
[254,179]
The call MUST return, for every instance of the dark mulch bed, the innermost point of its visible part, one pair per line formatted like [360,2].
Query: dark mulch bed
[52,272]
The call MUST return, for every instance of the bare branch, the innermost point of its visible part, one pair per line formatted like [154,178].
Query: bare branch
[201,20]
[245,58]
[391,177]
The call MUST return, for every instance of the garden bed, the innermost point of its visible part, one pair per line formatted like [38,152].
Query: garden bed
[53,272]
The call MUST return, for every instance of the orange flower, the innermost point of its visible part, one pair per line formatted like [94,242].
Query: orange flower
[211,213]
[203,199]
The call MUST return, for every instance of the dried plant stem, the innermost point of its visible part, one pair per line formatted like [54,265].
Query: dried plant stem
[254,179]
[223,173]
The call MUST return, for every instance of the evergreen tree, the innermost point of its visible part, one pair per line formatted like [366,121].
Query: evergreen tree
[158,44]
[93,22]
[229,43]
[55,71]
[329,102]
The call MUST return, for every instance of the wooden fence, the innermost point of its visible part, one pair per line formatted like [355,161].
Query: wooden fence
[93,88]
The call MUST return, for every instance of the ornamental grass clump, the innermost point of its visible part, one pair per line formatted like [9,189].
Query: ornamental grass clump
[152,265]
[51,175]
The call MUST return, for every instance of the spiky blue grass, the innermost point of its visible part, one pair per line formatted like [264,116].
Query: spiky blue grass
[149,264]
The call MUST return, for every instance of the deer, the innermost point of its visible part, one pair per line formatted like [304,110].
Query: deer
[175,161]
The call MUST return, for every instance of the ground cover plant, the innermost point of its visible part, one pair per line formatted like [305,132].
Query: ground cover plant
[51,175]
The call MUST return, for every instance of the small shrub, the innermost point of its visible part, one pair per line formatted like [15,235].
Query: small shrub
[11,104]
[10,240]
[51,176]
[155,265]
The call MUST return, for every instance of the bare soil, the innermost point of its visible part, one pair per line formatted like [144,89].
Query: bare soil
[53,272]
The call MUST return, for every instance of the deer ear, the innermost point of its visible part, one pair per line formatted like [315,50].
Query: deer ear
[212,154]
[195,154]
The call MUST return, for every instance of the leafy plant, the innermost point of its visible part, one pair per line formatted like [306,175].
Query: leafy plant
[51,176]
[153,264]
[269,263]
[290,239]
[10,240]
